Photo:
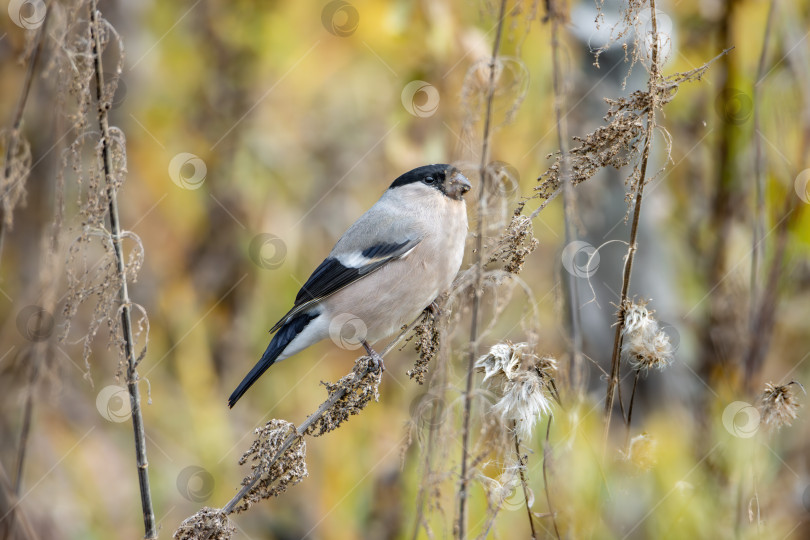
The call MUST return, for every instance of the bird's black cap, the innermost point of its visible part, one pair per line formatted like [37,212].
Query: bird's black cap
[446,178]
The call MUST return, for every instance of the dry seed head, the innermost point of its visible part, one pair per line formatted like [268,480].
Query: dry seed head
[516,243]
[503,360]
[620,140]
[524,401]
[208,523]
[521,382]
[358,388]
[636,316]
[276,473]
[428,342]
[778,404]
[645,345]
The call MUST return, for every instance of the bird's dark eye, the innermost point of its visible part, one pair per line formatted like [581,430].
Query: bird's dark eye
[429,179]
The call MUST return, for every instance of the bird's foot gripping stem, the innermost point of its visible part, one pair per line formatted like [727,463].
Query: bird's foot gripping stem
[434,309]
[376,359]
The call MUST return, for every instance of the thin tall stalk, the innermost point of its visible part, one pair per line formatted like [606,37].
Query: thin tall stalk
[556,16]
[719,344]
[765,316]
[759,184]
[523,481]
[126,307]
[652,86]
[630,410]
[461,525]
[433,439]
[49,272]
[546,450]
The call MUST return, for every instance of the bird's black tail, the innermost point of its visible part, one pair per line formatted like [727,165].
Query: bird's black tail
[288,332]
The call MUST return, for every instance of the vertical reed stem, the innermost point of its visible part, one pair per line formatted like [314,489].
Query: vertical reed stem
[126,307]
[613,382]
[461,525]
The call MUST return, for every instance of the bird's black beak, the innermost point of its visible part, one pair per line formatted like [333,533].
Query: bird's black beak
[458,186]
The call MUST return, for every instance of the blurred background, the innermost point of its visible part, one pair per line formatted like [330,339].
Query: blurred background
[257,132]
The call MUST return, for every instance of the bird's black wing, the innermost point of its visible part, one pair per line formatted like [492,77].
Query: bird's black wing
[337,272]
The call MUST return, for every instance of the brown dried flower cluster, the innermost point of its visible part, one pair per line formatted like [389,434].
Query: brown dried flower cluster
[645,345]
[428,341]
[516,243]
[778,404]
[522,383]
[97,158]
[358,388]
[619,141]
[277,473]
[208,524]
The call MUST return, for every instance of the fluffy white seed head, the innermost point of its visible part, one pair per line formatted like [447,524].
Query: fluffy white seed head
[521,383]
[645,345]
[779,405]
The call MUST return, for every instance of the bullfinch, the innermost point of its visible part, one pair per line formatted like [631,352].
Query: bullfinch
[389,266]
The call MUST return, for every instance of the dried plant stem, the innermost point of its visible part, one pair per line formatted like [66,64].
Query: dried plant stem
[428,464]
[759,178]
[49,274]
[556,17]
[28,411]
[766,312]
[523,481]
[478,264]
[15,523]
[630,411]
[718,347]
[311,419]
[545,203]
[764,318]
[17,119]
[613,382]
[126,317]
[433,436]
[759,184]
[49,279]
[546,451]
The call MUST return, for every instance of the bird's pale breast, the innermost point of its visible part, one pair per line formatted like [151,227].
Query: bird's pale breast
[395,294]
